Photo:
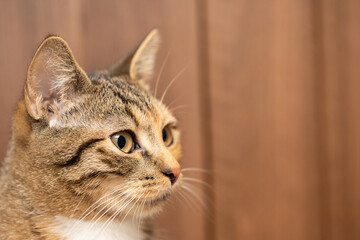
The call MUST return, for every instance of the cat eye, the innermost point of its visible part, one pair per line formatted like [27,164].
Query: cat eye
[124,141]
[167,136]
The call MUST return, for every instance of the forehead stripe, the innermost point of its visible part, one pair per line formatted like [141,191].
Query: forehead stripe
[128,101]
[131,115]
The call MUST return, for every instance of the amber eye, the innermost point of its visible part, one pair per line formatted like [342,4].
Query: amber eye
[124,141]
[167,136]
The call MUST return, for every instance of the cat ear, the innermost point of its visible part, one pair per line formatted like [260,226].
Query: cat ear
[139,65]
[53,79]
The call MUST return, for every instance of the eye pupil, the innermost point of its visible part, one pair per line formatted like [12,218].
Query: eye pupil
[124,141]
[164,135]
[121,141]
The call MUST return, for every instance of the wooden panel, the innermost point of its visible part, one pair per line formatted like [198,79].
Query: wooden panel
[341,118]
[100,34]
[263,120]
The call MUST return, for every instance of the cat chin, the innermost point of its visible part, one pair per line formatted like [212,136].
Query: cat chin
[148,209]
[150,212]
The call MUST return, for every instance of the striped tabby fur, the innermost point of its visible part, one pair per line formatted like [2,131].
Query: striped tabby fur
[64,177]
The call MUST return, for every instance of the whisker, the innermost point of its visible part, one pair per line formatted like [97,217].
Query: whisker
[123,186]
[114,199]
[136,209]
[125,201]
[198,181]
[160,73]
[200,191]
[132,207]
[177,107]
[108,221]
[171,82]
[83,196]
[141,211]
[187,201]
[86,213]
[194,194]
[89,210]
[195,204]
[201,170]
[172,102]
[77,205]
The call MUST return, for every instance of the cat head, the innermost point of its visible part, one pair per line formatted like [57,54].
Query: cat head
[101,136]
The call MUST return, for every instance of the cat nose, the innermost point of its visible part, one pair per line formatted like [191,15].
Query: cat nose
[172,174]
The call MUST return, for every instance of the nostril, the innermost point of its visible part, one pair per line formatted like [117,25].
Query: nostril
[171,176]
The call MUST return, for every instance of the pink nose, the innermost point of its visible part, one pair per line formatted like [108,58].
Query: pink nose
[172,174]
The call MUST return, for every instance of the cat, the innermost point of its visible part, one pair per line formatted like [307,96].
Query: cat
[92,156]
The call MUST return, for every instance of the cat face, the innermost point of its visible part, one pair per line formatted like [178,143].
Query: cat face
[102,136]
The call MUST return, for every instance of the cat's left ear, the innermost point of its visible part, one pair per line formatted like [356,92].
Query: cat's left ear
[139,65]
[54,79]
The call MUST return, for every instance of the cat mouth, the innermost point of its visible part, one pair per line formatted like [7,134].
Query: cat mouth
[156,201]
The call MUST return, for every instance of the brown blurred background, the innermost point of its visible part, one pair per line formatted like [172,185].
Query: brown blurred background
[269,102]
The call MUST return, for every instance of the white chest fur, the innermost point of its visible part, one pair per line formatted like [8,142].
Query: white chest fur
[71,229]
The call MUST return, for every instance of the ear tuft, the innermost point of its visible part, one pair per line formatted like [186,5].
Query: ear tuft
[139,65]
[53,76]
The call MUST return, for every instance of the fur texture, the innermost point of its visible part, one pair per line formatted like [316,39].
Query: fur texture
[64,175]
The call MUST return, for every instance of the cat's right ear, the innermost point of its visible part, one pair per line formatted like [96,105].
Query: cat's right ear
[53,79]
[139,65]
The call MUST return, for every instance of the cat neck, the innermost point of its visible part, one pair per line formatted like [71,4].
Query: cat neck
[72,229]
